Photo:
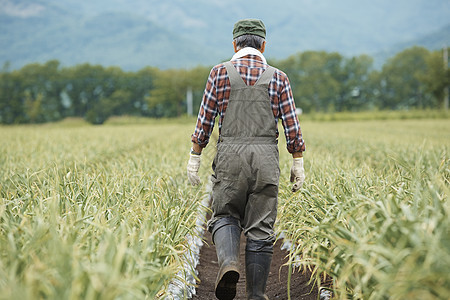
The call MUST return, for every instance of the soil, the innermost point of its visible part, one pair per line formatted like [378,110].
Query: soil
[277,282]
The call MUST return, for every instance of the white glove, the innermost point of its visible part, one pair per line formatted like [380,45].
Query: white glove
[297,173]
[192,169]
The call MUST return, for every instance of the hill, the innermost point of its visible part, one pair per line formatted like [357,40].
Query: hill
[435,40]
[179,34]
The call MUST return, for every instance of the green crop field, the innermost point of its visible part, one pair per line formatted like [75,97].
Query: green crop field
[104,212]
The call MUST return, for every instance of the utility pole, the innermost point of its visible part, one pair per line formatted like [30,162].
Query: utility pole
[189,101]
[445,74]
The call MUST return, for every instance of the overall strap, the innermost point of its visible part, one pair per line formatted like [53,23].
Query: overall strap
[235,79]
[266,77]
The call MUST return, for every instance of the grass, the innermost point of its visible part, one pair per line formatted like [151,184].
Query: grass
[374,211]
[93,212]
[102,212]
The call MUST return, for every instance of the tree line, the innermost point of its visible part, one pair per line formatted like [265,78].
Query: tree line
[321,82]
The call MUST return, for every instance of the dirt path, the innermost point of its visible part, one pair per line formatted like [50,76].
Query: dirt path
[276,285]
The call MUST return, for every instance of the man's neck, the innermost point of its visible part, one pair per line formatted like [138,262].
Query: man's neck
[246,51]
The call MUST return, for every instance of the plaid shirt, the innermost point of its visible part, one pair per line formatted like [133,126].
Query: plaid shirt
[217,93]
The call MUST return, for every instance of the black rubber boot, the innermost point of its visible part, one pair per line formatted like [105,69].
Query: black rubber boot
[226,237]
[258,256]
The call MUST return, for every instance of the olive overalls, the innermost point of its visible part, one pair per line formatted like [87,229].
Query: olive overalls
[245,183]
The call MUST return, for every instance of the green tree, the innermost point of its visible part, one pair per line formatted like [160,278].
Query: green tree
[90,88]
[319,87]
[356,90]
[85,87]
[139,84]
[114,105]
[36,90]
[168,97]
[11,108]
[437,77]
[316,78]
[401,82]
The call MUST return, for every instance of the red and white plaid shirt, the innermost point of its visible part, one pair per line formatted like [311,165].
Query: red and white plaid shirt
[217,93]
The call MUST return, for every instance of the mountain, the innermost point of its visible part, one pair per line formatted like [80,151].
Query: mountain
[181,34]
[435,40]
[109,38]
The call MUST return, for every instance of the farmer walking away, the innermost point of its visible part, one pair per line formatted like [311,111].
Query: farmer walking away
[249,97]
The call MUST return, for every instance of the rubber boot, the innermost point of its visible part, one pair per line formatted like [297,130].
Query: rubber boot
[226,237]
[258,256]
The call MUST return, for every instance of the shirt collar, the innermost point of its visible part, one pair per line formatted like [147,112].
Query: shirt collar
[246,51]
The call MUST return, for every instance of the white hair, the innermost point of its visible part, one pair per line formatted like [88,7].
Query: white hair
[249,40]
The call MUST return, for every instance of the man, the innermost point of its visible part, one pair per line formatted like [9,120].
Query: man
[249,96]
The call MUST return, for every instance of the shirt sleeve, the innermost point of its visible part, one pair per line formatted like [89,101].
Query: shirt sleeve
[207,112]
[291,125]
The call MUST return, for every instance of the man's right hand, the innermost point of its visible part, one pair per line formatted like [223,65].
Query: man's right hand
[297,173]
[192,169]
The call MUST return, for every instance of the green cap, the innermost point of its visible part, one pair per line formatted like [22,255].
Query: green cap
[249,26]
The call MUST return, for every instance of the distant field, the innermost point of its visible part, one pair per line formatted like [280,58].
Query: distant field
[379,115]
[102,212]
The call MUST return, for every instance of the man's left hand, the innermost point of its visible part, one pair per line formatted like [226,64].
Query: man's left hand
[192,169]
[297,173]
